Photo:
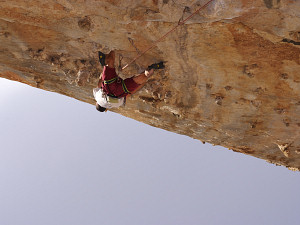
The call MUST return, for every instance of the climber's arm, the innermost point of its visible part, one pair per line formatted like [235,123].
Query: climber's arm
[100,81]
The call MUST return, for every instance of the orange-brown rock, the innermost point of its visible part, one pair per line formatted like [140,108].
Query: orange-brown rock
[232,73]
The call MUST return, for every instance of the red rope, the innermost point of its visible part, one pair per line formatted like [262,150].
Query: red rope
[163,37]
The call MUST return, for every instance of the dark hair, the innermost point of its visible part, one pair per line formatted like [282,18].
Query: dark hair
[100,108]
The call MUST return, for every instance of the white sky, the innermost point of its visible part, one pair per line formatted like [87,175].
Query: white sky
[64,163]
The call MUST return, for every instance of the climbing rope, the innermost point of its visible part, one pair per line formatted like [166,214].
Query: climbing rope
[164,36]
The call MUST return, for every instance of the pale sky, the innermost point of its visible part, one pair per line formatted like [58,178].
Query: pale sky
[64,163]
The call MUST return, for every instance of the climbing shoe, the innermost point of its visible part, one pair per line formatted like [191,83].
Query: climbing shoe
[101,58]
[157,66]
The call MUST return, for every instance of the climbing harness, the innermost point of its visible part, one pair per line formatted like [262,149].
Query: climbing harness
[164,36]
[118,80]
[110,81]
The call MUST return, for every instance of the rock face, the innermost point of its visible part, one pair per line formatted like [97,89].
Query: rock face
[232,75]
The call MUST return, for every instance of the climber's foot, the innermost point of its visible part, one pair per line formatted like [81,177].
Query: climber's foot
[157,66]
[102,57]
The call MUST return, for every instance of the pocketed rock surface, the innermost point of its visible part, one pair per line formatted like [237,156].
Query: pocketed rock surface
[232,75]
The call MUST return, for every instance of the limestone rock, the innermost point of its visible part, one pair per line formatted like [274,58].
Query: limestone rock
[232,73]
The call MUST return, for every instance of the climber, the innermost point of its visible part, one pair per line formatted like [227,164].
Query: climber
[112,90]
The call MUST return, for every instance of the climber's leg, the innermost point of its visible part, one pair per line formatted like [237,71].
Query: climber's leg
[143,77]
[138,88]
[134,84]
[110,59]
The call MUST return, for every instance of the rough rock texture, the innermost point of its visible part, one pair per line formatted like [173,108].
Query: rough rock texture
[232,76]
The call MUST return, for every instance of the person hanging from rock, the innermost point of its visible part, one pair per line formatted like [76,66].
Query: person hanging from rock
[112,90]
